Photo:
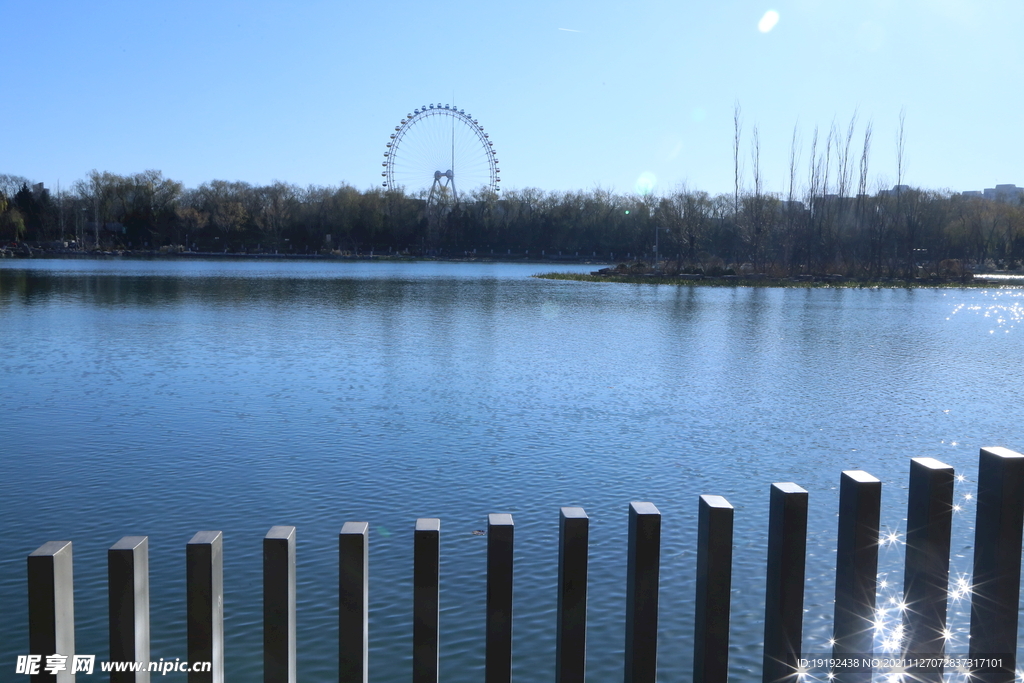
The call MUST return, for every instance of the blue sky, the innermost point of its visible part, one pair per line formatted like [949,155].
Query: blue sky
[308,92]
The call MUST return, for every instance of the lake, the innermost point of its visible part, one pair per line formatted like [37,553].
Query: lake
[161,398]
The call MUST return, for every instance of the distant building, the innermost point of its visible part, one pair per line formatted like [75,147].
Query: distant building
[999,193]
[1004,193]
[896,189]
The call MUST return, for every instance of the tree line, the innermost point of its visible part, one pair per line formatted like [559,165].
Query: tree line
[827,222]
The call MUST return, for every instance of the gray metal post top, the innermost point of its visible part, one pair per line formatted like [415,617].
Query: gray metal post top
[50,548]
[644,508]
[861,477]
[789,487]
[358,528]
[574,513]
[428,524]
[716,502]
[205,537]
[1002,452]
[499,519]
[129,543]
[282,532]
[931,463]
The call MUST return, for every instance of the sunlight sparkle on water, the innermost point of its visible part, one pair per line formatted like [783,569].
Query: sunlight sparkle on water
[891,538]
[888,616]
[1007,310]
[962,588]
[768,21]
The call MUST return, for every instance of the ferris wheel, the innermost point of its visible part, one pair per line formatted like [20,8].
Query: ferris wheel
[442,153]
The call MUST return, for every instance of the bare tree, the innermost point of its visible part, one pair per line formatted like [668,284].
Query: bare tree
[98,190]
[60,210]
[841,210]
[755,218]
[278,206]
[845,167]
[905,216]
[229,205]
[862,185]
[867,209]
[737,131]
[825,222]
[755,158]
[10,184]
[807,247]
[698,211]
[192,219]
[794,160]
[900,146]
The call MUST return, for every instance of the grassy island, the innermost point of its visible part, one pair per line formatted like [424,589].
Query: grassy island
[806,281]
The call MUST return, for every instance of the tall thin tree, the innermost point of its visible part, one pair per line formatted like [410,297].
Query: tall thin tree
[737,131]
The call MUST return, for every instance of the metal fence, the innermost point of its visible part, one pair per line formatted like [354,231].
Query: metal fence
[994,596]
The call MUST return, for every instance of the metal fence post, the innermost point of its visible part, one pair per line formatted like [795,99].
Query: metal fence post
[51,606]
[926,569]
[860,499]
[571,638]
[642,575]
[128,588]
[714,583]
[995,595]
[353,601]
[498,653]
[784,593]
[204,559]
[279,605]
[426,599]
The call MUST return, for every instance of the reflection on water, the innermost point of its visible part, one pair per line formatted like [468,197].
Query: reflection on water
[1003,308]
[164,398]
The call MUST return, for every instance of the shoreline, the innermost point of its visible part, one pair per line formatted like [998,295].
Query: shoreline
[28,253]
[981,280]
[805,281]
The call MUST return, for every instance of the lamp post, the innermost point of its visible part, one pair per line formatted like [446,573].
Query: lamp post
[657,232]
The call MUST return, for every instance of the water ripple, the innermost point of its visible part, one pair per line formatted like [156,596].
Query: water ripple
[162,399]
